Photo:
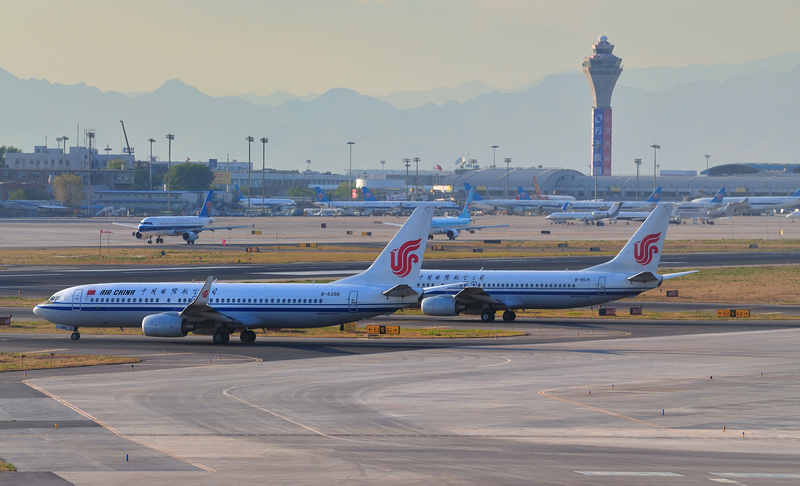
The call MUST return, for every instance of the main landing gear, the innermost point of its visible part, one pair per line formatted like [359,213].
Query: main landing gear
[248,336]
[75,336]
[487,316]
[221,337]
[509,316]
[158,240]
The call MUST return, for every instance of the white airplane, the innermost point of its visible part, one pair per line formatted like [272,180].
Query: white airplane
[273,203]
[585,216]
[694,210]
[760,204]
[512,205]
[452,226]
[538,194]
[714,213]
[646,205]
[187,227]
[371,206]
[631,272]
[219,309]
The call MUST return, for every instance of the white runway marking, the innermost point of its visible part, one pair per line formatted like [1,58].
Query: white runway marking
[757,475]
[629,473]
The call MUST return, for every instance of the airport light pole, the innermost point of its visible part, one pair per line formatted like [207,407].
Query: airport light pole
[249,140]
[408,164]
[638,163]
[707,157]
[494,155]
[350,172]
[416,178]
[170,138]
[308,166]
[383,166]
[264,141]
[150,163]
[655,151]
[90,135]
[508,167]
[64,153]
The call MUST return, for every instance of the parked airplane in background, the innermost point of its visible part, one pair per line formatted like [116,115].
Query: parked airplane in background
[511,205]
[34,205]
[694,210]
[187,227]
[273,203]
[759,204]
[585,216]
[382,206]
[219,309]
[715,213]
[483,292]
[452,226]
[538,194]
[646,205]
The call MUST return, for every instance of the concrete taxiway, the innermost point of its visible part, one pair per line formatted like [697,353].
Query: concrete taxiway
[612,410]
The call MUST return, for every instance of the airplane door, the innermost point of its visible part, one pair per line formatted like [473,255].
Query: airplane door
[352,302]
[601,286]
[76,300]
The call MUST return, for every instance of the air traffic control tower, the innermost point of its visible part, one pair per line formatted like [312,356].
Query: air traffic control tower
[602,69]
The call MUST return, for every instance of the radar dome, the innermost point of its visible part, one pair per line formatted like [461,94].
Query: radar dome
[603,38]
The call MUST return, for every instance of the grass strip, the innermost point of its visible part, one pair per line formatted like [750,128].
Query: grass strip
[43,361]
[6,467]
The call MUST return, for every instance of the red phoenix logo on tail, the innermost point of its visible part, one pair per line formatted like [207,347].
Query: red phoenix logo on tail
[403,258]
[644,250]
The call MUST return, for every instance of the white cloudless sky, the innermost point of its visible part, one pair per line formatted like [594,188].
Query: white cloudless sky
[234,47]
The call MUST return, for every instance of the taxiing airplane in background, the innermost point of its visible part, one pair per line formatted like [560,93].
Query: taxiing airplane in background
[272,203]
[759,204]
[219,309]
[511,205]
[585,216]
[452,226]
[187,227]
[715,213]
[483,292]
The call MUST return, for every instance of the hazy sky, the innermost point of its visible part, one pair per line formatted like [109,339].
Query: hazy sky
[234,47]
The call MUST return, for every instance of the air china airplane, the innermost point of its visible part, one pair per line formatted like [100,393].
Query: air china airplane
[631,272]
[452,226]
[585,216]
[219,309]
[187,227]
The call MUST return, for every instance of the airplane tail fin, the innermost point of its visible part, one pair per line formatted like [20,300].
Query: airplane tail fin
[643,251]
[522,194]
[237,193]
[655,196]
[475,196]
[465,212]
[796,193]
[538,191]
[613,211]
[399,263]
[717,199]
[566,206]
[205,210]
[321,197]
[368,196]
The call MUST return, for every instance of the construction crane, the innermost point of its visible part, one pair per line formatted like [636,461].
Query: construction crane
[127,149]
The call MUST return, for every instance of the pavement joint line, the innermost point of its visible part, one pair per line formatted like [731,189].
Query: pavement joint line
[112,429]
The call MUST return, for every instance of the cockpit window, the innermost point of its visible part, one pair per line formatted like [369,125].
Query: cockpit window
[54,298]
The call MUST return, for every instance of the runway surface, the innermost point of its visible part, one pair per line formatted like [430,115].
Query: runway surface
[504,411]
[43,281]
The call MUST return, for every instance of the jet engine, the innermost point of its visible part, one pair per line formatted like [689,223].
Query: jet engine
[441,306]
[163,325]
[138,235]
[190,236]
[453,234]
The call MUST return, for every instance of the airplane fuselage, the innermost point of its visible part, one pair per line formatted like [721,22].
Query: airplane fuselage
[171,226]
[254,305]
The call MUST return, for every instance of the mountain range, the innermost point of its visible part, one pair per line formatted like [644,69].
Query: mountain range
[736,113]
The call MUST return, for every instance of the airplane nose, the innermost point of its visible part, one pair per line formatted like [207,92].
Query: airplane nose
[39,311]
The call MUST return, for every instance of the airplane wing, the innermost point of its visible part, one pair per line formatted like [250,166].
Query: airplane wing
[135,226]
[212,228]
[477,295]
[679,274]
[199,310]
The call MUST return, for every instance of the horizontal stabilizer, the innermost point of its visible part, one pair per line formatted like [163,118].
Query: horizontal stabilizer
[401,290]
[643,277]
[679,274]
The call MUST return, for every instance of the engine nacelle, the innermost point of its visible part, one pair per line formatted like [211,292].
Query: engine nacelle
[441,306]
[138,235]
[190,236]
[163,325]
[453,234]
